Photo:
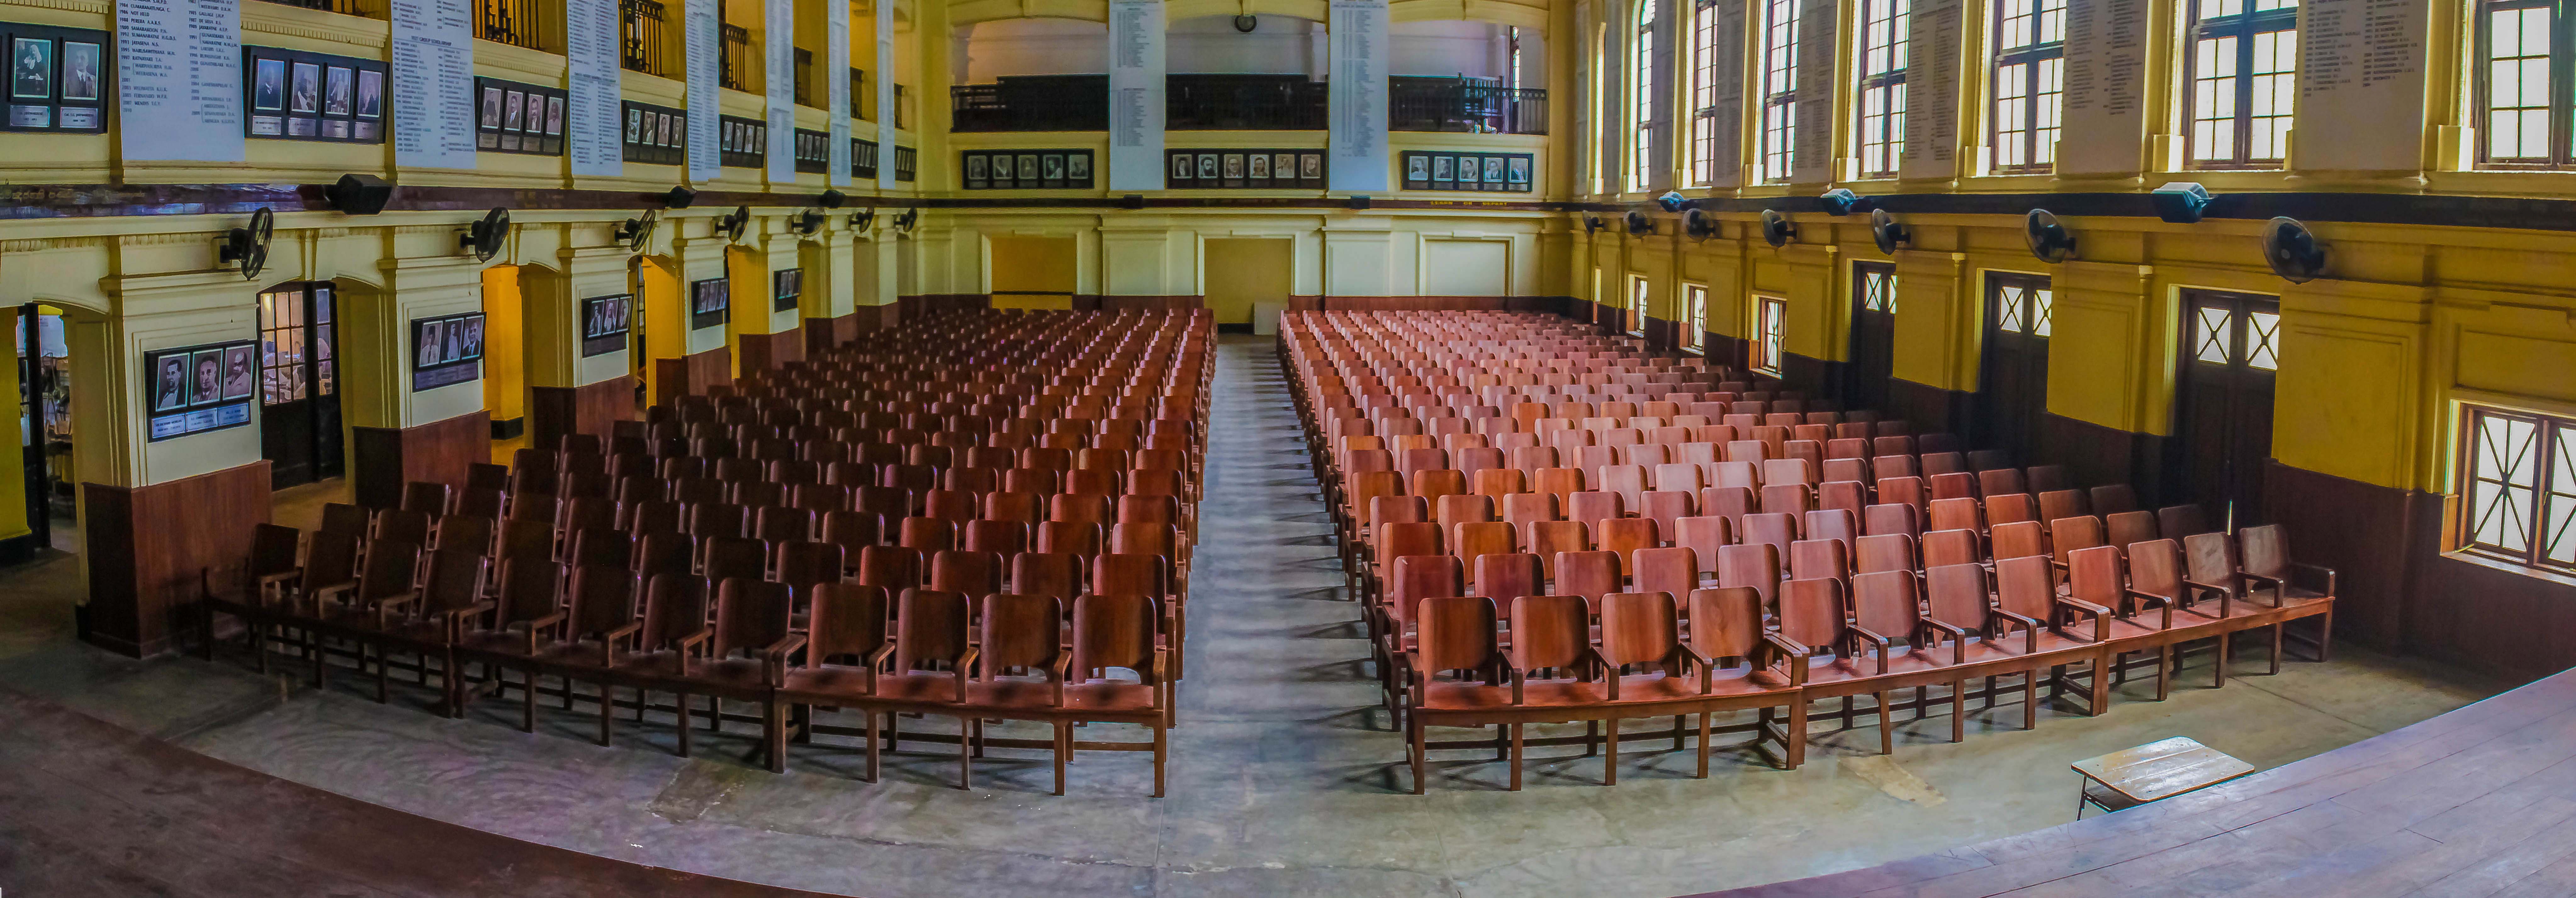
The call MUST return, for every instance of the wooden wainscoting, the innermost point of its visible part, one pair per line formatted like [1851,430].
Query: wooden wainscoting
[148,544]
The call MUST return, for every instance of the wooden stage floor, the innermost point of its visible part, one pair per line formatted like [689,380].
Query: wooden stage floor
[2477,802]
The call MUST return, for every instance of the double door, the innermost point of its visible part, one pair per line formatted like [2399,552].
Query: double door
[2223,401]
[299,380]
[1873,336]
[2012,375]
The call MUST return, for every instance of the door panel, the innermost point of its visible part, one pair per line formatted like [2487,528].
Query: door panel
[1873,336]
[299,384]
[2012,382]
[2223,401]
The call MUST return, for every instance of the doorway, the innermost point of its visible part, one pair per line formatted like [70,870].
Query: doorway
[299,384]
[1873,336]
[1033,272]
[2012,376]
[2223,400]
[44,420]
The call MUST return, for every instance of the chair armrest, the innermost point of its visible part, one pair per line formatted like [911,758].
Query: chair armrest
[2101,616]
[1692,658]
[1058,671]
[2226,596]
[1609,672]
[1862,634]
[773,660]
[965,662]
[2164,603]
[1958,639]
[2029,627]
[2318,569]
[608,642]
[335,589]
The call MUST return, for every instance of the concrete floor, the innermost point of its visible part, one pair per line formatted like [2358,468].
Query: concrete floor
[1285,778]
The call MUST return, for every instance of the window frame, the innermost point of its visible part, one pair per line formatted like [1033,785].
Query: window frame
[1776,156]
[2553,439]
[2035,55]
[1644,80]
[1694,319]
[1704,81]
[2559,70]
[2244,27]
[1769,342]
[1640,290]
[1887,83]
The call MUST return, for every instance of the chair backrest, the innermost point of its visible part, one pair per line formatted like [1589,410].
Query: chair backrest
[847,624]
[391,569]
[733,556]
[930,628]
[1885,603]
[1625,536]
[1416,577]
[1523,509]
[1115,632]
[1753,565]
[2114,498]
[2128,527]
[1725,622]
[1019,631]
[1505,577]
[1475,538]
[1955,514]
[1550,538]
[2067,535]
[675,606]
[2005,508]
[2264,552]
[1640,628]
[1589,575]
[1955,594]
[1819,559]
[1057,574]
[456,580]
[893,568]
[972,574]
[603,599]
[1704,535]
[751,615]
[2024,586]
[1944,547]
[2095,574]
[1551,630]
[1883,552]
[1455,633]
[2177,521]
[1812,612]
[1776,530]
[1674,571]
[1114,574]
[330,559]
[2055,504]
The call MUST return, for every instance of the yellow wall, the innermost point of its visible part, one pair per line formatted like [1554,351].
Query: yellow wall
[505,374]
[1040,270]
[1243,272]
[664,318]
[13,486]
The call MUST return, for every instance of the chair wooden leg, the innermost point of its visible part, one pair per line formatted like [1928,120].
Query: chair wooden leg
[966,752]
[1886,735]
[1516,757]
[2325,635]
[680,700]
[2221,663]
[1797,735]
[1677,730]
[607,709]
[1063,744]
[1958,711]
[773,734]
[2030,699]
[1610,759]
[1414,751]
[2276,647]
[313,649]
[528,700]
[872,742]
[384,669]
[1591,738]
[2164,671]
[1159,742]
[1703,746]
[2100,699]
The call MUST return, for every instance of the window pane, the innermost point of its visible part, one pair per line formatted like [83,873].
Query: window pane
[2008,309]
[2558,510]
[2039,312]
[2503,470]
[2210,335]
[2263,340]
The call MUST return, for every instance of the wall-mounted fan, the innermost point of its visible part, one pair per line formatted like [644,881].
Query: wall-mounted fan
[806,222]
[731,225]
[633,233]
[1839,201]
[1777,228]
[905,221]
[247,248]
[863,219]
[1638,224]
[2294,252]
[1592,224]
[1884,231]
[484,238]
[1699,224]
[2049,240]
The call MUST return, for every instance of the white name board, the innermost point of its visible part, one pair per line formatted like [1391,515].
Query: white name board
[2106,88]
[1356,156]
[778,45]
[178,80]
[705,163]
[433,89]
[1932,91]
[590,44]
[1136,94]
[1812,154]
[836,18]
[2361,85]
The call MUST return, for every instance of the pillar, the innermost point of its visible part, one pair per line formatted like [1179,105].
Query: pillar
[570,390]
[398,434]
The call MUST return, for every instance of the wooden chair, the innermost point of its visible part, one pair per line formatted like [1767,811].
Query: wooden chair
[2298,590]
[673,634]
[1456,633]
[1119,632]
[747,656]
[1022,632]
[845,645]
[933,663]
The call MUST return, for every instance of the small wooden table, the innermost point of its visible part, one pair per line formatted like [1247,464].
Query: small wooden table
[2152,772]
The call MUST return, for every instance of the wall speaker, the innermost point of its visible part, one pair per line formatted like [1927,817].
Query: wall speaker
[359,194]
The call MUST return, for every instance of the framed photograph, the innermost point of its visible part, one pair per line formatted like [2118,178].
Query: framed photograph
[1443,169]
[1261,166]
[268,85]
[241,372]
[1310,166]
[304,91]
[427,354]
[492,108]
[1417,168]
[339,87]
[554,116]
[170,389]
[1028,165]
[1283,165]
[1052,166]
[976,168]
[371,93]
[1078,166]
[1181,168]
[207,383]
[1467,170]
[634,124]
[469,336]
[536,113]
[1207,166]
[1002,167]
[510,111]
[80,70]
[1520,170]
[1493,169]
[31,69]
[1233,165]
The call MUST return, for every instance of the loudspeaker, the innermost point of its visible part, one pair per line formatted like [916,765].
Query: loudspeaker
[359,194]
[678,198]
[1359,201]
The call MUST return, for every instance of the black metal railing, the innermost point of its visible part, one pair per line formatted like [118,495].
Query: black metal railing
[639,26]
[859,95]
[1242,103]
[906,162]
[1464,105]
[373,9]
[902,107]
[1039,103]
[520,23]
[735,43]
[805,79]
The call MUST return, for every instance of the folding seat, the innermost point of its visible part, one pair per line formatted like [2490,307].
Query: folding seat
[1734,474]
[1789,470]
[1592,507]
[1787,498]
[1904,491]
[1730,502]
[1590,575]
[1698,453]
[1953,485]
[1891,518]
[1955,514]
[775,524]
[2066,536]
[1547,539]
[1704,535]
[1775,530]
[2181,521]
[1894,466]
[1753,451]
[2062,503]
[2016,540]
[1997,481]
[1884,552]
[1819,559]
[2010,507]
[1750,565]
[1080,538]
[926,534]
[1982,460]
[2127,527]
[1523,509]
[1833,524]
[1951,462]
[1625,536]
[1951,547]
[1476,460]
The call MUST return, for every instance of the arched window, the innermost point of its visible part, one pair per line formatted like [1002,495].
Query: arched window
[2030,78]
[1881,137]
[1641,99]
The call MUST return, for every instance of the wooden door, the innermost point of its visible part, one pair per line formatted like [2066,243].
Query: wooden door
[299,384]
[1872,356]
[2223,401]
[2012,380]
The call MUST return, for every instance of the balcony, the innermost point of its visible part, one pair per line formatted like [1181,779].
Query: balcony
[859,95]
[521,23]
[735,43]
[372,9]
[1464,106]
[805,79]
[642,38]
[1245,103]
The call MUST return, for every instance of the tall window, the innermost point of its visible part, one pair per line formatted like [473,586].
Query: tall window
[2523,49]
[2518,488]
[1769,314]
[1635,321]
[1882,85]
[1704,90]
[1779,88]
[1641,99]
[2030,77]
[1694,317]
[2244,60]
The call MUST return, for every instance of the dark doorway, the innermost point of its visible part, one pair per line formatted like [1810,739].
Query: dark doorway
[2231,352]
[34,433]
[2012,377]
[1873,336]
[299,384]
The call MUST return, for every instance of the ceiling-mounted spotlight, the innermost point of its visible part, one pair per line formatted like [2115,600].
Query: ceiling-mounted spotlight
[1673,201]
[247,248]
[678,197]
[484,238]
[359,194]
[2293,251]
[1838,201]
[1777,228]
[2180,202]
[1245,23]
[1699,224]
[1884,231]
[863,219]
[2049,240]
[634,233]
[806,222]
[832,199]
[1639,224]
[731,225]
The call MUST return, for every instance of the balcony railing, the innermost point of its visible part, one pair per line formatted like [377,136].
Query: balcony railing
[805,79]
[735,43]
[1040,103]
[859,95]
[373,9]
[520,23]
[1243,103]
[639,25]
[1464,105]
[902,107]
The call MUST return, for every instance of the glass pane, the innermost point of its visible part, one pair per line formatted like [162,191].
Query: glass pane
[2039,312]
[2263,340]
[2008,310]
[2500,491]
[2558,511]
[2210,341]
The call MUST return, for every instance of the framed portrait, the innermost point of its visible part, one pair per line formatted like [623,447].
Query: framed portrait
[634,124]
[426,353]
[339,89]
[469,337]
[1233,165]
[268,85]
[206,383]
[536,113]
[976,169]
[451,342]
[510,120]
[1078,166]
[1467,170]
[554,116]
[1002,167]
[304,90]
[31,69]
[1051,166]
[241,372]
[1493,169]
[1417,168]
[1520,170]
[1443,169]
[1283,165]
[1261,166]
[1207,166]
[1028,164]
[80,70]
[1181,167]
[492,108]
[170,384]
[1310,166]
[371,93]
